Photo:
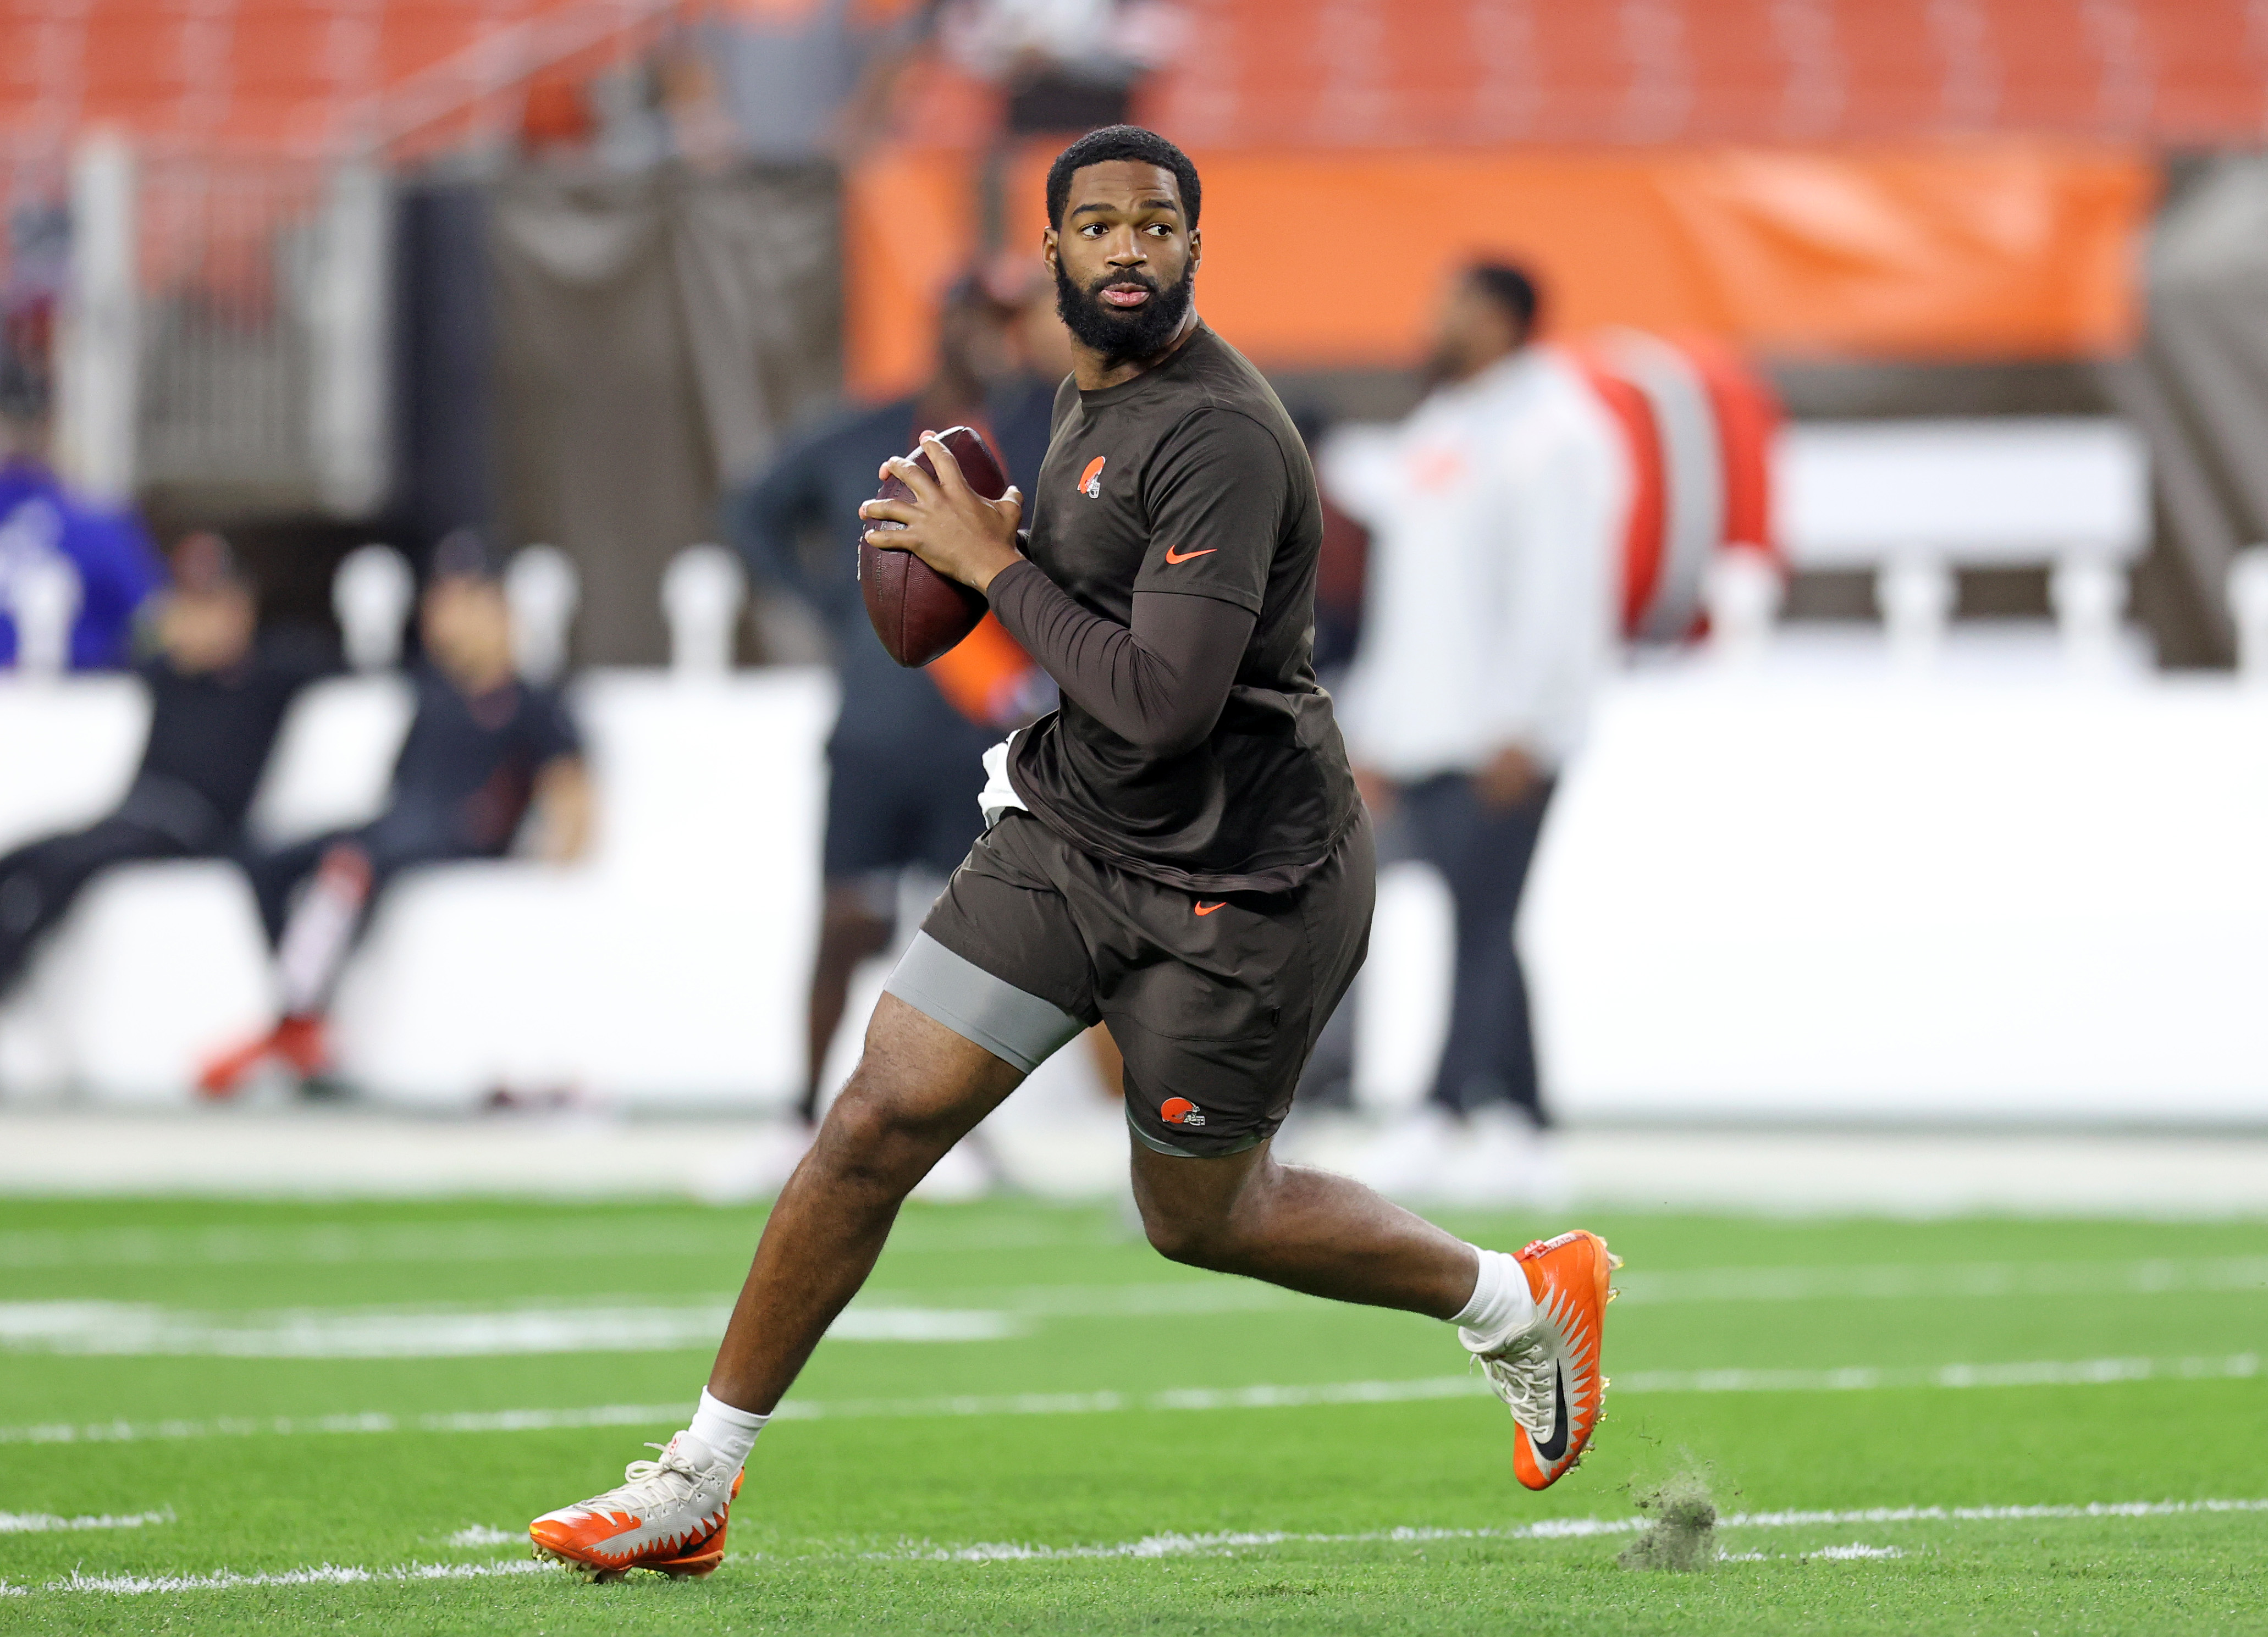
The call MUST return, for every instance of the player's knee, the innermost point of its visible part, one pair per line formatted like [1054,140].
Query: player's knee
[1198,1239]
[875,1132]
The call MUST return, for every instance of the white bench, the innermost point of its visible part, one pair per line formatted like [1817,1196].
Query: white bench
[1915,500]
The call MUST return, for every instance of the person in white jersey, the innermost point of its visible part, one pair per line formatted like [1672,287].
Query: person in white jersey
[1497,512]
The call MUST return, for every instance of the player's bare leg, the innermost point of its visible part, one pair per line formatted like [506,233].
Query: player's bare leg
[1306,1230]
[1533,1321]
[919,1089]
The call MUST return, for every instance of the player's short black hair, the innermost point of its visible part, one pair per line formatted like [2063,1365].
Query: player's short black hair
[1122,142]
[1510,287]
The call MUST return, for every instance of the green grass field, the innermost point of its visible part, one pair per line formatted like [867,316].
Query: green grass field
[225,1417]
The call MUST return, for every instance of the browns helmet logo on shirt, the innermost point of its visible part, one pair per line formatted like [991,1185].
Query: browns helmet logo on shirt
[1090,481]
[1179,1110]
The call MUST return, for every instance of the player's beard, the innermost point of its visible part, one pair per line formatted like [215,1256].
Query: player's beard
[1116,335]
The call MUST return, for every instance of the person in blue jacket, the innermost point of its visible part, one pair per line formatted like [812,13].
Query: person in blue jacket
[41,518]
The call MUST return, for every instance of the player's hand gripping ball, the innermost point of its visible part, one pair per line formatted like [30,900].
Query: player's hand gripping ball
[918,612]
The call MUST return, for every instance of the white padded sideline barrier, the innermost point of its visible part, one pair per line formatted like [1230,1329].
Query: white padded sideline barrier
[1820,893]
[1816,890]
[669,964]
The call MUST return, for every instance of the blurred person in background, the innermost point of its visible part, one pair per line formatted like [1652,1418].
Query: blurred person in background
[1066,65]
[905,760]
[484,749]
[1062,67]
[1036,353]
[811,79]
[1497,512]
[219,691]
[41,520]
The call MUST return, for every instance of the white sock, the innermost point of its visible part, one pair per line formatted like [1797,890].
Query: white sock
[729,1433]
[1501,1306]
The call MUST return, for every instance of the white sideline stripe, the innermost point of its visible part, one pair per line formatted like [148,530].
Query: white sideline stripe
[640,1237]
[626,1238]
[48,1523]
[2154,1276]
[625,1326]
[1553,1529]
[1549,1528]
[321,1574]
[1223,1544]
[2079,1373]
[141,1330]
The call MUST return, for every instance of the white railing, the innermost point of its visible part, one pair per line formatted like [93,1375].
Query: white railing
[224,323]
[1914,500]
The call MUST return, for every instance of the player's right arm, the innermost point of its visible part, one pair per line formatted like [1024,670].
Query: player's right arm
[1158,684]
[1215,493]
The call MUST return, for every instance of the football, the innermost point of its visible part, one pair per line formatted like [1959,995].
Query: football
[917,612]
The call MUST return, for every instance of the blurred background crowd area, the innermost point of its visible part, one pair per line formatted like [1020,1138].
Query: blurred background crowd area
[566,271]
[1927,789]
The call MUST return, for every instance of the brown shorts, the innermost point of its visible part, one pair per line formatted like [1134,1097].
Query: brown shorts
[1215,1003]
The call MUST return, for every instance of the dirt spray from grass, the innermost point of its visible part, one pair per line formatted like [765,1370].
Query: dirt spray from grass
[1682,1535]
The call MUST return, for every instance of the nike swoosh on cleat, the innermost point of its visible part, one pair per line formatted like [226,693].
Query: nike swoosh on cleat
[1552,1448]
[1173,556]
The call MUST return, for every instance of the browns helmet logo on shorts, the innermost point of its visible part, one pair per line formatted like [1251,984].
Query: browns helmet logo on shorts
[1179,1110]
[1090,481]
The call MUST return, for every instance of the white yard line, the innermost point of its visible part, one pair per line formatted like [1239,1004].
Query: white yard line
[143,1329]
[1549,1528]
[1904,1281]
[1863,1378]
[625,1325]
[1222,1544]
[48,1523]
[321,1574]
[638,1238]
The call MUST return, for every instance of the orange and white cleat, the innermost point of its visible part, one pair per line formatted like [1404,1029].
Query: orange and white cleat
[669,1516]
[1549,1374]
[300,1041]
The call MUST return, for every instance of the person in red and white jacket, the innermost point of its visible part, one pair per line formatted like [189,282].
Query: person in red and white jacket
[1497,511]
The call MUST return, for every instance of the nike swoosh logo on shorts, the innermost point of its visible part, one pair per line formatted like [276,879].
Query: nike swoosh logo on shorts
[1207,909]
[1184,556]
[1552,1448]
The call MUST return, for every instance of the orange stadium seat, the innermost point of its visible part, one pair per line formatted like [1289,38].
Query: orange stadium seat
[1411,72]
[1280,73]
[248,75]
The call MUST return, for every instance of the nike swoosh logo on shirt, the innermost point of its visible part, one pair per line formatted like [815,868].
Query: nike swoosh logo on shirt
[1184,556]
[1207,909]
[1552,1448]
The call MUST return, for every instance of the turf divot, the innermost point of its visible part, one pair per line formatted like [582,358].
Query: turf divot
[1681,1535]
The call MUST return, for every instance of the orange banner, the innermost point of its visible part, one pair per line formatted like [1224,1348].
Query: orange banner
[1998,249]
[908,230]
